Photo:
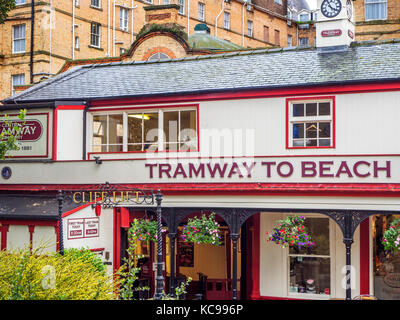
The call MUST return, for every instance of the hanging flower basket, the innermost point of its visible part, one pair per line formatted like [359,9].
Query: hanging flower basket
[144,229]
[391,237]
[203,230]
[291,232]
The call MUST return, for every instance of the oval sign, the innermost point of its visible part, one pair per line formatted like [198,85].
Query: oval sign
[31,130]
[392,280]
[331,33]
[6,173]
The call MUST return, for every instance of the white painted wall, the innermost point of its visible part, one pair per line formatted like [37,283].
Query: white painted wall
[17,237]
[274,262]
[69,134]
[45,238]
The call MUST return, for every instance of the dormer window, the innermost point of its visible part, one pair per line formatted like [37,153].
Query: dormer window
[304,17]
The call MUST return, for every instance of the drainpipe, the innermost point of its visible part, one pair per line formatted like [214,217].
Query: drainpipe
[50,27]
[244,3]
[216,19]
[73,29]
[32,41]
[132,22]
[188,17]
[113,38]
[108,27]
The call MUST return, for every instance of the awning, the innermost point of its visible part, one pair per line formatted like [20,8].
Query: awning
[32,207]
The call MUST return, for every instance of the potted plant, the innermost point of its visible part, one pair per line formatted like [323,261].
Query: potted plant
[291,232]
[144,229]
[202,230]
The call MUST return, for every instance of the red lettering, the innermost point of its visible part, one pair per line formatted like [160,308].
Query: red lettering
[179,170]
[200,169]
[151,165]
[161,170]
[323,168]
[386,168]
[268,164]
[285,163]
[357,173]
[235,170]
[308,166]
[343,168]
[217,168]
[249,169]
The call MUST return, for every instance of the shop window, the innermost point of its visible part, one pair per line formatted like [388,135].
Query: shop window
[18,44]
[140,130]
[310,123]
[310,268]
[375,9]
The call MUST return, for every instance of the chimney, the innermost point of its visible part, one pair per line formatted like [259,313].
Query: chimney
[161,14]
[335,26]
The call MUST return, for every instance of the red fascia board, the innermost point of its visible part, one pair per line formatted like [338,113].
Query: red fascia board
[249,94]
[256,189]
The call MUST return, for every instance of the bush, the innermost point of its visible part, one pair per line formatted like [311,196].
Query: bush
[33,276]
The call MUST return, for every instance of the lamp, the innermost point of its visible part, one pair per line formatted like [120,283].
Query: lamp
[98,160]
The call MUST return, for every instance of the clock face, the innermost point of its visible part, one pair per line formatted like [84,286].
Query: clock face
[331,8]
[349,8]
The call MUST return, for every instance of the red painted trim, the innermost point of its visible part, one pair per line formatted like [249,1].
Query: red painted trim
[41,223]
[97,249]
[54,141]
[255,255]
[144,107]
[251,94]
[4,230]
[71,107]
[332,98]
[117,239]
[68,213]
[364,257]
[57,230]
[251,189]
[276,298]
[31,229]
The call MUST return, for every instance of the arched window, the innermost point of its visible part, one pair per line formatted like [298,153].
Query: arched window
[158,56]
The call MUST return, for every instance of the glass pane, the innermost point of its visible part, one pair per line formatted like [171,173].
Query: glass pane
[171,125]
[188,133]
[115,148]
[311,130]
[298,130]
[135,147]
[310,275]
[150,131]
[325,142]
[298,143]
[311,109]
[171,146]
[324,130]
[324,109]
[318,228]
[135,128]
[298,110]
[115,132]
[311,142]
[99,129]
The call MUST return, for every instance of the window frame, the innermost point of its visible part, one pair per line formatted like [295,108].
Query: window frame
[227,22]
[18,39]
[250,23]
[97,35]
[15,76]
[123,19]
[181,9]
[332,249]
[201,8]
[290,121]
[95,6]
[372,3]
[124,112]
[21,3]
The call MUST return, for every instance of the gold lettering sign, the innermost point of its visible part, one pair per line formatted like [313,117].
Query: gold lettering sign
[114,197]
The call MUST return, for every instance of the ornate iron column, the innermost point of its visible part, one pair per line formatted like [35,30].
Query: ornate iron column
[172,237]
[60,199]
[159,277]
[234,237]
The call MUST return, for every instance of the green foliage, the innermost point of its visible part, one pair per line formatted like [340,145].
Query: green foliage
[203,230]
[5,7]
[86,256]
[26,275]
[290,232]
[166,27]
[144,229]
[9,131]
[179,291]
[391,237]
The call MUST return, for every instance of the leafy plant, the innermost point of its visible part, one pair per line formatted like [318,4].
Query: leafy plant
[5,7]
[166,27]
[203,230]
[391,237]
[86,256]
[9,131]
[291,232]
[144,229]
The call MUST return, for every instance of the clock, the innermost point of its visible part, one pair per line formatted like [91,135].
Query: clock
[331,8]
[349,8]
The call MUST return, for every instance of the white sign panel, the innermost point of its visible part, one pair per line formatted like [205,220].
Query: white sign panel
[82,228]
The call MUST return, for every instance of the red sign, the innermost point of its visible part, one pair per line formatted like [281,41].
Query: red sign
[83,228]
[30,130]
[331,33]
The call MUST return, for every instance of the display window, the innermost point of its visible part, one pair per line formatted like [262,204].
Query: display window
[310,267]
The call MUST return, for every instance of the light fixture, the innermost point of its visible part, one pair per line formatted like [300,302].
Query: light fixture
[139,116]
[98,160]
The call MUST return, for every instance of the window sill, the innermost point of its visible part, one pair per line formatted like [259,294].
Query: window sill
[97,8]
[94,47]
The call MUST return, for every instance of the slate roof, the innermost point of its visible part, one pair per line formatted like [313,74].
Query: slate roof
[37,207]
[254,69]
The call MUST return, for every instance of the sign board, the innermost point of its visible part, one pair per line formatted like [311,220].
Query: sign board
[82,228]
[331,33]
[33,137]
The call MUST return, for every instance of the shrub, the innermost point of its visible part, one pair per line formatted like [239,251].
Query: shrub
[34,276]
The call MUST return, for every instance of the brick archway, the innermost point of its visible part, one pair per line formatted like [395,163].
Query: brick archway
[155,50]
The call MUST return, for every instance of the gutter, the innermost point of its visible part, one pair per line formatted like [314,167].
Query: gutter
[32,40]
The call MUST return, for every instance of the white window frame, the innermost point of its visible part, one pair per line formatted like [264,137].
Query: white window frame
[76,43]
[307,15]
[332,250]
[201,11]
[123,19]
[20,2]
[250,28]
[370,3]
[278,2]
[227,20]
[22,38]
[95,5]
[18,77]
[160,142]
[305,40]
[181,9]
[310,119]
[95,35]
[289,43]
